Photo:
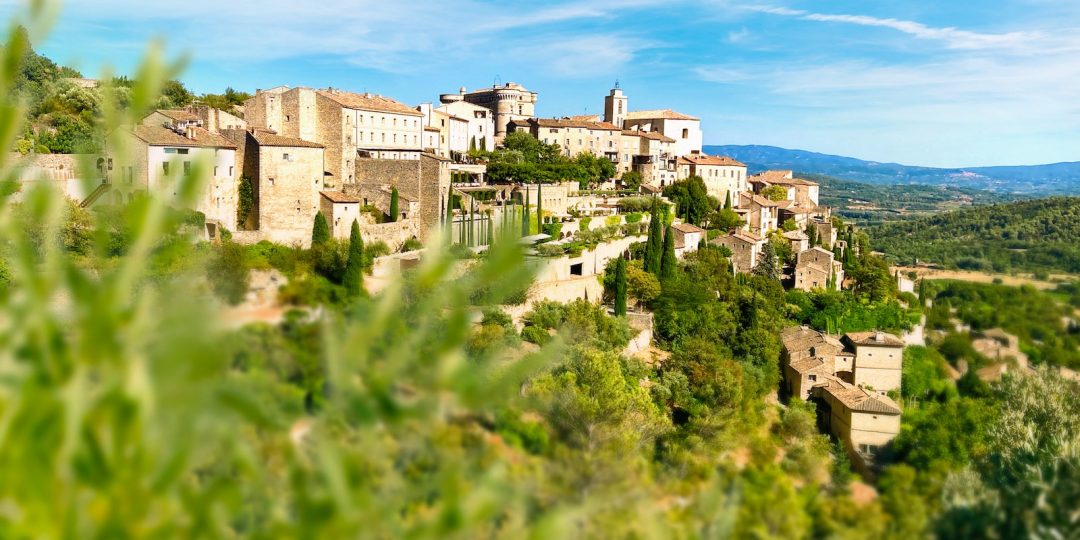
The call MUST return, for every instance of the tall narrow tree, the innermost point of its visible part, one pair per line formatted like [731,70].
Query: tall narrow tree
[320,231]
[620,287]
[525,215]
[668,263]
[539,208]
[354,273]
[393,204]
[450,208]
[727,203]
[654,245]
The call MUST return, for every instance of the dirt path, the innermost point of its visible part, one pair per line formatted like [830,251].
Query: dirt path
[982,277]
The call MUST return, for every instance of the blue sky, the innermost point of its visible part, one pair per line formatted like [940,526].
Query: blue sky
[958,83]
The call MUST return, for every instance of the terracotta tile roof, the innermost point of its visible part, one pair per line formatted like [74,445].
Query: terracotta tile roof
[163,136]
[583,118]
[431,128]
[687,228]
[806,365]
[179,115]
[758,199]
[859,399]
[738,235]
[648,135]
[702,159]
[368,102]
[798,340]
[266,137]
[434,156]
[665,114]
[338,197]
[796,235]
[880,339]
[568,123]
[772,176]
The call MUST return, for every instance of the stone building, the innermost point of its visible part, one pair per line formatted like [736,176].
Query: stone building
[508,102]
[650,154]
[798,241]
[159,154]
[574,136]
[816,268]
[340,210]
[422,184]
[803,192]
[453,138]
[724,177]
[481,130]
[761,213]
[684,129]
[687,238]
[215,119]
[878,359]
[286,174]
[616,107]
[745,249]
[349,125]
[848,379]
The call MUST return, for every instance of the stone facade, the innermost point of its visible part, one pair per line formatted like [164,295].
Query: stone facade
[574,137]
[878,360]
[745,250]
[287,177]
[723,177]
[481,128]
[508,103]
[425,182]
[340,211]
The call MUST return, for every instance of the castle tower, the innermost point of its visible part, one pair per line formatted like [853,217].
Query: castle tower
[615,106]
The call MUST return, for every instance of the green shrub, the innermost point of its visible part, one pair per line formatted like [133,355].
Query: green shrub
[412,244]
[535,334]
[634,217]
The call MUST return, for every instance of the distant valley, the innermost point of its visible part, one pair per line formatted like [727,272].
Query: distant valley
[1030,180]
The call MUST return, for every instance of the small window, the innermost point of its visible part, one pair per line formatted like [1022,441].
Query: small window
[285,157]
[187,167]
[685,133]
[165,167]
[270,181]
[182,151]
[813,378]
[230,171]
[577,269]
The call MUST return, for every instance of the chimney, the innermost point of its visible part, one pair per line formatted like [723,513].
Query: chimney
[190,132]
[879,337]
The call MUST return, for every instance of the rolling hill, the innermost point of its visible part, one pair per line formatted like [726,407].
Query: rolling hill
[1036,180]
[1034,235]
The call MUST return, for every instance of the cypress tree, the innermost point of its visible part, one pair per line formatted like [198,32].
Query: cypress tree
[727,203]
[654,246]
[354,275]
[620,287]
[525,214]
[539,208]
[320,232]
[450,207]
[490,230]
[393,204]
[668,263]
[472,222]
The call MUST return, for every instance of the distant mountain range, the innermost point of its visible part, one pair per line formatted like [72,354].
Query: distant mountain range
[1053,179]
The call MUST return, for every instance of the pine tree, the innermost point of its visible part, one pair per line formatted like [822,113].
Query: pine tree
[393,204]
[320,232]
[354,275]
[768,266]
[668,263]
[620,287]
[654,246]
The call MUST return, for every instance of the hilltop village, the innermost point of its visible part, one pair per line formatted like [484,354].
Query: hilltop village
[580,191]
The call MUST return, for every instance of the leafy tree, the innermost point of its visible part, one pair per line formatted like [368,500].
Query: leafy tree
[775,193]
[668,263]
[229,273]
[320,231]
[691,198]
[632,180]
[394,211]
[245,202]
[620,287]
[353,280]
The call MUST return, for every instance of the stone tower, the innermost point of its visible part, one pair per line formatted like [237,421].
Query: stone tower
[615,106]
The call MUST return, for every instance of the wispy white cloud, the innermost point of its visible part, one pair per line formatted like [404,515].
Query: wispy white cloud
[952,37]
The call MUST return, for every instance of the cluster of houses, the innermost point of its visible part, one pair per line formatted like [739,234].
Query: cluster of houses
[289,153]
[849,379]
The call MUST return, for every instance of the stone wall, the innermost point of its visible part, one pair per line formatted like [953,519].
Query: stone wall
[393,234]
[434,186]
[62,171]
